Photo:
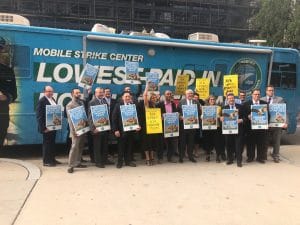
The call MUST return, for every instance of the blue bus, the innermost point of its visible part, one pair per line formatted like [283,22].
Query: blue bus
[46,56]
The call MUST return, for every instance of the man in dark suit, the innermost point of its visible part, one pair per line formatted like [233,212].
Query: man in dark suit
[125,138]
[48,135]
[8,90]
[168,106]
[187,136]
[233,142]
[100,139]
[274,133]
[255,138]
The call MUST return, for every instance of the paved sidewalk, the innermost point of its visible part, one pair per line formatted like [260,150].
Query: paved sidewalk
[176,194]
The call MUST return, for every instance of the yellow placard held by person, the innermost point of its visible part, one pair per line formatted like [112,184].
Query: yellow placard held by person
[202,87]
[181,84]
[153,121]
[230,84]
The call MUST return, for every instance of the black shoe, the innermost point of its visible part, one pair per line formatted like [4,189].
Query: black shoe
[172,161]
[207,158]
[131,164]
[159,161]
[193,160]
[100,165]
[49,164]
[229,162]
[119,165]
[81,166]
[82,160]
[239,164]
[70,170]
[92,160]
[57,162]
[260,160]
[108,162]
[249,160]
[218,159]
[276,160]
[180,160]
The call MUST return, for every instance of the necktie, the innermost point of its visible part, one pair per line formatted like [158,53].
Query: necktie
[269,100]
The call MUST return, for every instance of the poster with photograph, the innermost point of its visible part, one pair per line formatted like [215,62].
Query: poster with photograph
[277,114]
[152,81]
[129,117]
[87,76]
[53,117]
[259,117]
[100,117]
[230,123]
[79,120]
[209,117]
[190,116]
[171,124]
[132,72]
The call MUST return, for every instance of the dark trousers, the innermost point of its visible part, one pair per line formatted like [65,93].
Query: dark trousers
[187,141]
[213,139]
[125,147]
[4,123]
[171,146]
[256,139]
[273,138]
[49,147]
[233,146]
[100,147]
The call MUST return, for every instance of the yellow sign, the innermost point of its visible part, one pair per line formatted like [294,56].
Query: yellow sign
[231,84]
[202,87]
[153,121]
[181,84]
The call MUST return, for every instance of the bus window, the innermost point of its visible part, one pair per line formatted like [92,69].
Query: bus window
[283,75]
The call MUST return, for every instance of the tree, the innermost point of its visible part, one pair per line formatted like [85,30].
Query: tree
[293,30]
[272,21]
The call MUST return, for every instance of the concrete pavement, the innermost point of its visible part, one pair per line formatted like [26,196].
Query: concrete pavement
[201,193]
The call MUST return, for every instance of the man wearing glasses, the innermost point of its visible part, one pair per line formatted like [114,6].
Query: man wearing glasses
[274,133]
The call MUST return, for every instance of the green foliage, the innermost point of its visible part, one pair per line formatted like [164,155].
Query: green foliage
[278,21]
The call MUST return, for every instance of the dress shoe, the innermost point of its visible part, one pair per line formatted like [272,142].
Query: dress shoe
[82,160]
[229,162]
[49,164]
[159,161]
[172,161]
[57,162]
[193,160]
[119,165]
[109,162]
[218,159]
[207,158]
[260,161]
[100,165]
[70,170]
[276,160]
[131,164]
[180,160]
[239,164]
[81,166]
[249,160]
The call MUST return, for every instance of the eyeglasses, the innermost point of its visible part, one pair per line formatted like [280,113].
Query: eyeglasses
[256,94]
[270,90]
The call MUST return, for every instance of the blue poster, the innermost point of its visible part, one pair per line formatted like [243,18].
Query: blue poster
[79,120]
[88,75]
[190,116]
[153,81]
[259,117]
[277,115]
[171,125]
[100,117]
[53,117]
[132,72]
[230,123]
[129,117]
[209,117]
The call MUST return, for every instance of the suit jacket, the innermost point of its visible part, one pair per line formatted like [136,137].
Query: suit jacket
[41,113]
[275,99]
[163,108]
[71,105]
[184,102]
[247,111]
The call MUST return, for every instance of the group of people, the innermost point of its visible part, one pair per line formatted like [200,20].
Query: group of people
[227,146]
